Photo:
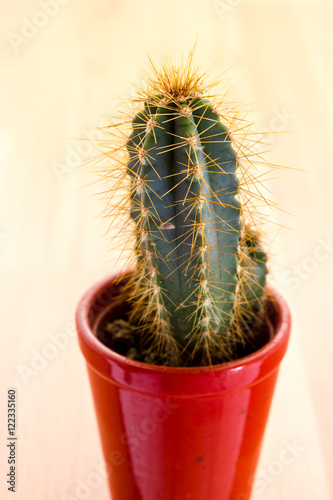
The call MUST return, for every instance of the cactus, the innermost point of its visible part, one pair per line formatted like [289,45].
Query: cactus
[198,288]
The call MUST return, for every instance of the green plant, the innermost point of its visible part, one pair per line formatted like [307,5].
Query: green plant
[197,293]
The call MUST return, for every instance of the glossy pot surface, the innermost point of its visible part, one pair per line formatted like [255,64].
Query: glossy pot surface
[179,433]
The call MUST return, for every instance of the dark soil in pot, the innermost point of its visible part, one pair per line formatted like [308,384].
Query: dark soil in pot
[114,331]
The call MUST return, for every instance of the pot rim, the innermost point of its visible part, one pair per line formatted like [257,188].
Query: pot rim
[276,346]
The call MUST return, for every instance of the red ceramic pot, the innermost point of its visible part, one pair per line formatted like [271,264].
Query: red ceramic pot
[179,433]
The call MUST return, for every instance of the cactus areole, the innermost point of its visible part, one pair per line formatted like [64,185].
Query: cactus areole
[197,292]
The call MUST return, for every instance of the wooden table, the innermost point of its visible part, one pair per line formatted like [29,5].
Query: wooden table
[64,64]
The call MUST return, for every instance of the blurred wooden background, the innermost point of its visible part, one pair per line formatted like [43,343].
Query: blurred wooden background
[63,64]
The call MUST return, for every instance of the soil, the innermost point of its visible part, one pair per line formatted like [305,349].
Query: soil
[116,332]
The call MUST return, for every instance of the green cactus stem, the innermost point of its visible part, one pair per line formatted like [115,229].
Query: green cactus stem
[187,215]
[200,270]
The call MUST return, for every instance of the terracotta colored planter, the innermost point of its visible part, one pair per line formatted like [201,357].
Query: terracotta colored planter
[179,433]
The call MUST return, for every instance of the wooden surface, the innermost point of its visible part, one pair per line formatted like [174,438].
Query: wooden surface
[57,80]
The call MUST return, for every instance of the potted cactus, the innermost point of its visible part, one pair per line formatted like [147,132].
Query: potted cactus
[183,348]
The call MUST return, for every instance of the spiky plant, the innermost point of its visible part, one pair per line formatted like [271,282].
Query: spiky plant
[196,295]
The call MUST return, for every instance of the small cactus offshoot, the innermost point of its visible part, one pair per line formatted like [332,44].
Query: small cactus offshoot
[197,290]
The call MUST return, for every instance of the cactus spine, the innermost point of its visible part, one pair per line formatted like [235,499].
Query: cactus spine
[200,271]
